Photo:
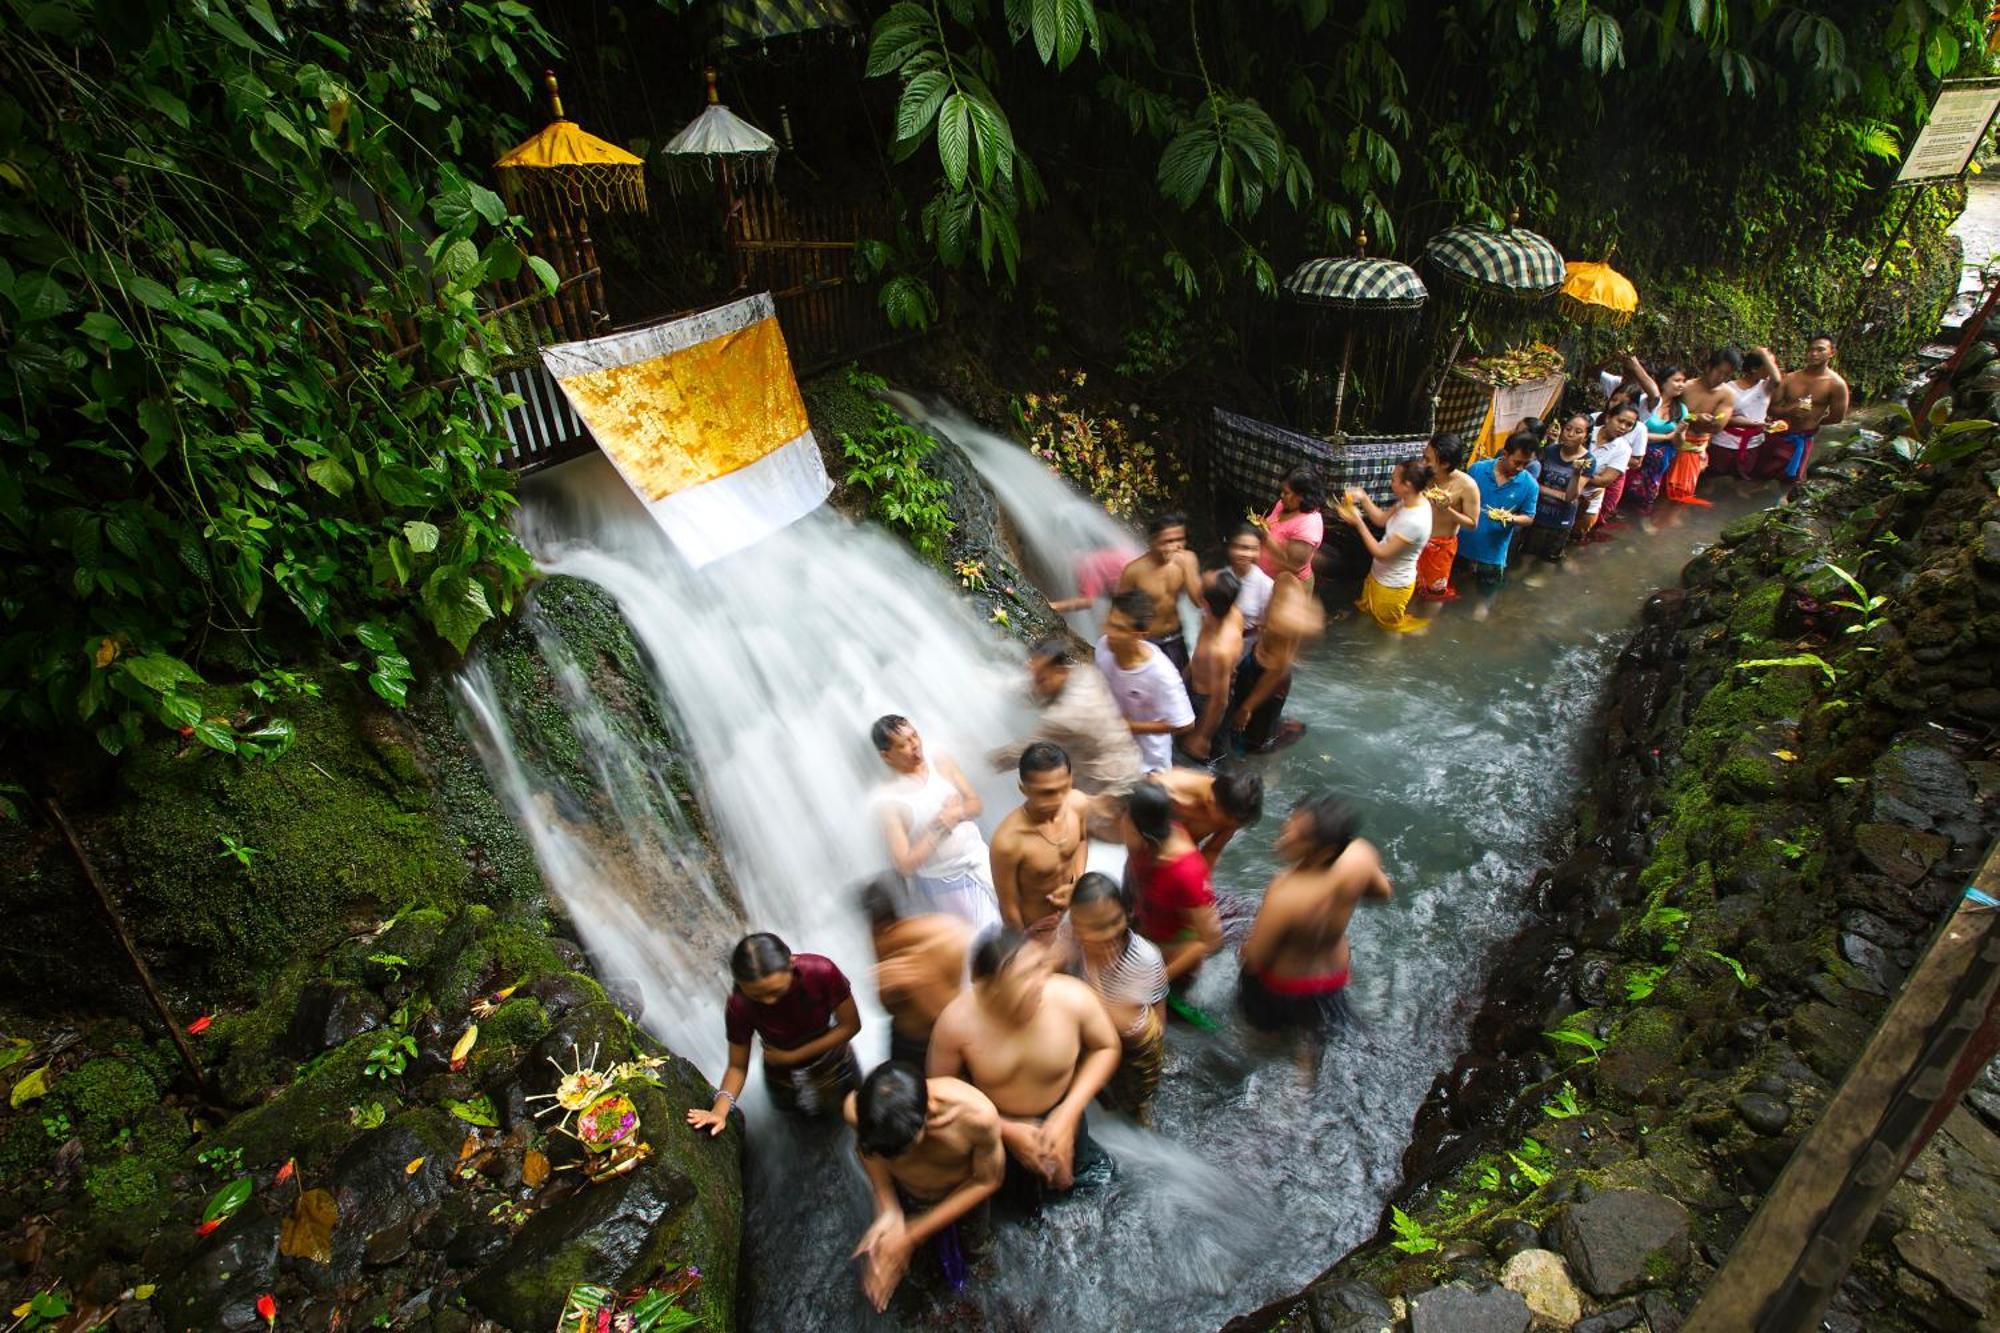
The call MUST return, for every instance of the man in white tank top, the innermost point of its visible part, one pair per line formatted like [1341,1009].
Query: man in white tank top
[926,812]
[1734,448]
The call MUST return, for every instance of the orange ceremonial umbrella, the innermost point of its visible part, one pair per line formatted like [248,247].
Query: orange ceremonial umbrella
[1597,294]
[568,172]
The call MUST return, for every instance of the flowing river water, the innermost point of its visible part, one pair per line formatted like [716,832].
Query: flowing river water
[1461,749]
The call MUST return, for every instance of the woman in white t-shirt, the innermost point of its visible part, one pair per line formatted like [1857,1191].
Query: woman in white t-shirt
[1385,593]
[1610,457]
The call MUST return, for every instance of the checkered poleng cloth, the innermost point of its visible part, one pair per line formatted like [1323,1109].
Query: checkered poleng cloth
[1462,404]
[1252,457]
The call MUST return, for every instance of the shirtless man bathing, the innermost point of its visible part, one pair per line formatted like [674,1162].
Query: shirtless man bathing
[1216,654]
[1040,848]
[1264,677]
[1296,958]
[919,962]
[1213,807]
[1812,396]
[1167,572]
[1040,1047]
[931,1151]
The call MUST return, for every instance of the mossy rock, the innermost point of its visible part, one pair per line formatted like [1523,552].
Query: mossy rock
[103,1096]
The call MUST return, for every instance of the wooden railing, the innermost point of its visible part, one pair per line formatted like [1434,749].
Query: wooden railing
[803,253]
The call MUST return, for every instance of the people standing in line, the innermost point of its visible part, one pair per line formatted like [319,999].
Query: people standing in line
[1734,451]
[1264,677]
[1075,710]
[1040,847]
[1213,806]
[1710,401]
[1664,426]
[1212,671]
[1099,947]
[1296,959]
[1806,399]
[926,812]
[1385,593]
[1454,502]
[802,1009]
[1294,528]
[1508,496]
[1565,468]
[1610,458]
[919,963]
[932,1153]
[1166,573]
[1253,593]
[1169,881]
[1146,684]
[1041,1047]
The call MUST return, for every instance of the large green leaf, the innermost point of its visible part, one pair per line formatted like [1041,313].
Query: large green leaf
[456,605]
[954,136]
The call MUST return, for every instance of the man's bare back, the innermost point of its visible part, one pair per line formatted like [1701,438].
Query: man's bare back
[1165,579]
[1035,865]
[1301,928]
[921,969]
[1216,655]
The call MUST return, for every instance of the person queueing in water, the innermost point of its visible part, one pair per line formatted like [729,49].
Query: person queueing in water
[1040,847]
[1098,945]
[1295,527]
[1454,501]
[1041,1047]
[1263,680]
[802,1008]
[1213,807]
[1167,572]
[1210,674]
[1385,593]
[919,962]
[1169,881]
[1075,710]
[1147,686]
[926,813]
[1296,960]
[932,1153]
[1253,594]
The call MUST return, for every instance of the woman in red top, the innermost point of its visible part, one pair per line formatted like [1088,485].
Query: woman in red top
[803,1008]
[1168,878]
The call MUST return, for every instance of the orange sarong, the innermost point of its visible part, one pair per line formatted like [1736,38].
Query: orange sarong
[1685,471]
[1434,568]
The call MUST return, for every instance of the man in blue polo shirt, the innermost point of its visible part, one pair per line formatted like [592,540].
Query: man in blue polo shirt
[1507,497]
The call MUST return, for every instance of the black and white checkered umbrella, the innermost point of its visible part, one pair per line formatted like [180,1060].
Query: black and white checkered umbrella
[1513,264]
[1375,292]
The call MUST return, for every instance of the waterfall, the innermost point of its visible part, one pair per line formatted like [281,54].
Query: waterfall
[774,662]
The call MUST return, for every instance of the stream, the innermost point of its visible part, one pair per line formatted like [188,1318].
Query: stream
[1461,749]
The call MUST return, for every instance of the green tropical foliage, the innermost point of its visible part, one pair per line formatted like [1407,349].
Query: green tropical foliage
[240,310]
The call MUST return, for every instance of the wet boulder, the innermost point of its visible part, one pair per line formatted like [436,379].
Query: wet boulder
[219,1287]
[1349,1307]
[1459,1308]
[329,1013]
[387,1183]
[1619,1241]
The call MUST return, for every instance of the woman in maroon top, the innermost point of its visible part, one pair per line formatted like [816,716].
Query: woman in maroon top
[803,1008]
[1168,878]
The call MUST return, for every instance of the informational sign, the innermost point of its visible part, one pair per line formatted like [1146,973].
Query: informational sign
[1959,120]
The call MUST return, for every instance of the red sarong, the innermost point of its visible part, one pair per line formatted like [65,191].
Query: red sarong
[1685,471]
[1434,569]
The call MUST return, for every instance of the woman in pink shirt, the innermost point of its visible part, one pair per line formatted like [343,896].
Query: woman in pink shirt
[1294,528]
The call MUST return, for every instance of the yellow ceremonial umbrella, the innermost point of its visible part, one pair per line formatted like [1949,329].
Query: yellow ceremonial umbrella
[564,172]
[1597,294]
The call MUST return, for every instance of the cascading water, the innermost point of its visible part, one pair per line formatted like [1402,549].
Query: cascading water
[1056,526]
[1458,748]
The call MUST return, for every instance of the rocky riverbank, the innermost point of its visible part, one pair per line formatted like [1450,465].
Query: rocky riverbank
[382,995]
[1791,793]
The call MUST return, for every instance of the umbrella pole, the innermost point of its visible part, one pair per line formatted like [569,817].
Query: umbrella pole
[1340,385]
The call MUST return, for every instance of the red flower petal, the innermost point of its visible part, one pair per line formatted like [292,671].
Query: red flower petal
[267,1308]
[200,1025]
[285,1171]
[203,1228]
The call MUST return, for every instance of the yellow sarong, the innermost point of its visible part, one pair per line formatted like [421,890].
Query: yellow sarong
[1389,606]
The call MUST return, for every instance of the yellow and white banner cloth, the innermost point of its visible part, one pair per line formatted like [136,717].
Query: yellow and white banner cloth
[703,420]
